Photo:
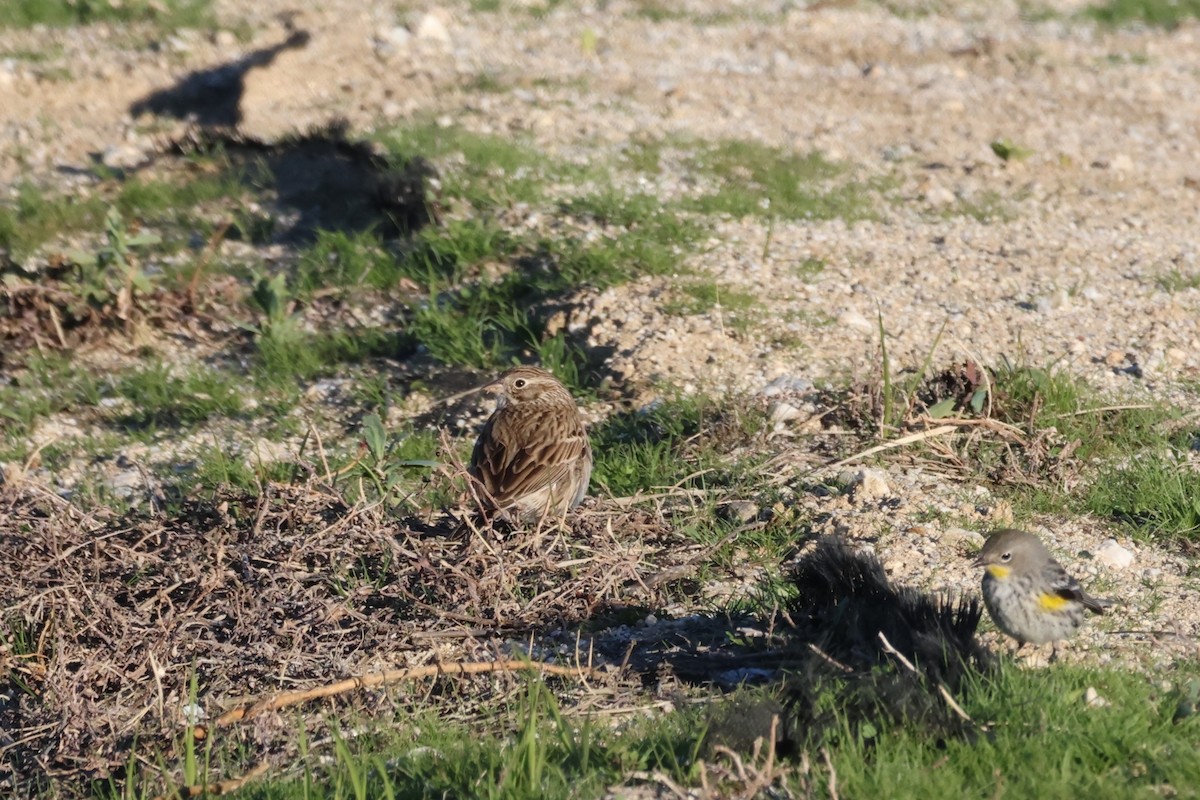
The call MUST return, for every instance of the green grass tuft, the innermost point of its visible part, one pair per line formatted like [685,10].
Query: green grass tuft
[50,385]
[1062,401]
[1157,492]
[491,171]
[166,14]
[987,206]
[1173,281]
[757,180]
[162,397]
[703,296]
[36,217]
[1168,14]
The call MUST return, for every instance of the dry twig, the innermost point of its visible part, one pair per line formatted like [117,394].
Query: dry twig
[285,699]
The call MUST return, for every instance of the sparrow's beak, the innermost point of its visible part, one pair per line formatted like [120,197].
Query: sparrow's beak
[492,388]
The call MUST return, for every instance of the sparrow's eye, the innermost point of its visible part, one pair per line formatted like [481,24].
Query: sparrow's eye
[1006,556]
[520,383]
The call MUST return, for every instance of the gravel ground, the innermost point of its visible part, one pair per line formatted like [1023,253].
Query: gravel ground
[1105,205]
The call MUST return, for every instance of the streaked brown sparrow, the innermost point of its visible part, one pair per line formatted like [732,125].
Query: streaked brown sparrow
[532,458]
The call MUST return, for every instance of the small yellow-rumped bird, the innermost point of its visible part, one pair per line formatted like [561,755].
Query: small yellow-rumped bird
[1028,594]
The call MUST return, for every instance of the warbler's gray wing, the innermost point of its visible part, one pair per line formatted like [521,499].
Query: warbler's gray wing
[522,451]
[1066,587]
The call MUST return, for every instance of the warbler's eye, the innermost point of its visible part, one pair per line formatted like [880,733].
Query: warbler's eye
[1006,557]
[520,383]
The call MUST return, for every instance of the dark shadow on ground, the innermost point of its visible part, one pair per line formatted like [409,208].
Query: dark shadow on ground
[212,97]
[324,180]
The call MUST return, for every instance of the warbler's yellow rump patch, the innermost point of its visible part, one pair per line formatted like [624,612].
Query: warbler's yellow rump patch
[1051,602]
[997,571]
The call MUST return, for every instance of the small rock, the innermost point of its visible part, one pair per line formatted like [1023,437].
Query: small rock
[783,412]
[397,35]
[267,452]
[124,483]
[431,27]
[939,196]
[963,536]
[122,156]
[852,319]
[741,511]
[1113,556]
[868,484]
[1059,300]
[1116,358]
[1175,356]
[1121,163]
[1092,698]
[224,39]
[556,323]
[786,383]
[193,714]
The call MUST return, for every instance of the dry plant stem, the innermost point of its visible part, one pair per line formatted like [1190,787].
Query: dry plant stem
[950,701]
[754,780]
[216,789]
[902,441]
[210,249]
[1104,409]
[888,648]
[954,706]
[459,470]
[833,794]
[828,658]
[661,778]
[285,699]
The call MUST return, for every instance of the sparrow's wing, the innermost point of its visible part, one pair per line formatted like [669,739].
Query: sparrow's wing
[523,450]
[1068,588]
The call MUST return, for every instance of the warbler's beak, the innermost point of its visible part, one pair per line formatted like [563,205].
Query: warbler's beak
[979,562]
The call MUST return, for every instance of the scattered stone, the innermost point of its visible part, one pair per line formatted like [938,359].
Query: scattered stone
[122,156]
[431,27]
[782,412]
[740,511]
[389,41]
[1121,162]
[1093,699]
[866,485]
[939,196]
[786,384]
[963,536]
[126,483]
[852,319]
[1113,555]
[266,451]
[1055,301]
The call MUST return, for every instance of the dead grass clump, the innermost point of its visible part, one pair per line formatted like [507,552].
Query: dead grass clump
[107,621]
[972,420]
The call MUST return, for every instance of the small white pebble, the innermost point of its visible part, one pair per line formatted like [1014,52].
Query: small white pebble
[870,484]
[193,714]
[1113,556]
[1092,698]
